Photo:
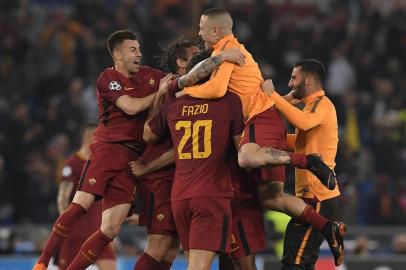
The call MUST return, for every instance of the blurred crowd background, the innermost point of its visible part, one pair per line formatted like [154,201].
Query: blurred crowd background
[52,51]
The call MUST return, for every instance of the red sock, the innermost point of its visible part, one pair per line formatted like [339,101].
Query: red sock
[146,262]
[298,160]
[164,265]
[60,231]
[309,215]
[90,251]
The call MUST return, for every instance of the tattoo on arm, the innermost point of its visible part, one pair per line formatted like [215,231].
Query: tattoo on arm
[278,157]
[200,71]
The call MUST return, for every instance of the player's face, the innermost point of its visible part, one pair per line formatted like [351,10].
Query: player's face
[182,63]
[206,31]
[130,55]
[297,83]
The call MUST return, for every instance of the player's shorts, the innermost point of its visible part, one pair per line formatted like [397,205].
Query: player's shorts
[156,212]
[248,229]
[82,229]
[302,242]
[267,129]
[203,223]
[108,175]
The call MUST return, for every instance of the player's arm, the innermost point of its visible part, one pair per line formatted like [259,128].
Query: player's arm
[291,142]
[300,119]
[132,106]
[149,136]
[216,87]
[166,159]
[206,67]
[64,191]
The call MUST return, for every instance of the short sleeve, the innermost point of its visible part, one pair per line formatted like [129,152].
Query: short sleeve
[68,173]
[110,88]
[159,123]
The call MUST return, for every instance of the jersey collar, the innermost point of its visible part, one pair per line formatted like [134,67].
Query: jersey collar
[313,96]
[222,42]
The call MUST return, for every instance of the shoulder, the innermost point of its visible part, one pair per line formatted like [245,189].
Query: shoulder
[146,71]
[232,99]
[108,76]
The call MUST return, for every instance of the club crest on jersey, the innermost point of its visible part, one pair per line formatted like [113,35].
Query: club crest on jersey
[151,82]
[160,217]
[92,181]
[114,86]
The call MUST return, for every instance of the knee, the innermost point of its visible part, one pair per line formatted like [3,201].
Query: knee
[158,246]
[247,156]
[271,195]
[111,229]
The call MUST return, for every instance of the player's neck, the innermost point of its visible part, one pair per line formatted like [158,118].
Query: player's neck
[122,70]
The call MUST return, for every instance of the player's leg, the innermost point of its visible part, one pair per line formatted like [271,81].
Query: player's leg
[112,219]
[63,226]
[200,259]
[170,256]
[154,253]
[245,263]
[106,264]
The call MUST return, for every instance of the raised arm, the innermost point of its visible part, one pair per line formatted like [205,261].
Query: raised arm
[132,106]
[139,169]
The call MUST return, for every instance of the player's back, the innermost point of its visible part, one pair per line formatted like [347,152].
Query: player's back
[201,132]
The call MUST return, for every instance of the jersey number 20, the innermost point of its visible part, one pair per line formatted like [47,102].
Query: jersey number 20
[192,130]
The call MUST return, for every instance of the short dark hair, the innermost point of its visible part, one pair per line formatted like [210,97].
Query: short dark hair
[214,12]
[314,67]
[117,37]
[196,59]
[177,49]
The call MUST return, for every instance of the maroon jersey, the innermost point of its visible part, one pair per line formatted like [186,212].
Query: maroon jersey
[114,124]
[243,181]
[201,132]
[72,170]
[154,151]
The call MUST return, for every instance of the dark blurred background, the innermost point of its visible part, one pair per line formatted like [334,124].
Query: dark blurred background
[52,51]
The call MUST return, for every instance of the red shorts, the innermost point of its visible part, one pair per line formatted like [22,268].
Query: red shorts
[108,175]
[82,229]
[156,212]
[203,223]
[248,229]
[267,129]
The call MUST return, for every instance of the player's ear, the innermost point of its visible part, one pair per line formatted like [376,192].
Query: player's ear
[117,54]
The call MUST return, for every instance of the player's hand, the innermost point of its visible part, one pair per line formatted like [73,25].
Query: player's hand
[134,219]
[137,168]
[180,93]
[267,87]
[164,83]
[291,98]
[233,55]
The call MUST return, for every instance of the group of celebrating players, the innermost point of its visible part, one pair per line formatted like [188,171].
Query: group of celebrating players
[206,150]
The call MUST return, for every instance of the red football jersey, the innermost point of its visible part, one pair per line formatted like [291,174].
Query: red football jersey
[114,124]
[72,170]
[201,132]
[243,181]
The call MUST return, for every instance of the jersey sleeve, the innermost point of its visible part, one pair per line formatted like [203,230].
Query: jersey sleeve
[237,118]
[159,123]
[303,120]
[109,87]
[68,171]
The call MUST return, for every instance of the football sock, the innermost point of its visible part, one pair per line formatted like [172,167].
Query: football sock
[298,160]
[146,262]
[60,231]
[90,251]
[309,215]
[165,265]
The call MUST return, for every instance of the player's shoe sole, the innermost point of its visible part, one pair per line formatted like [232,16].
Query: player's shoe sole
[39,266]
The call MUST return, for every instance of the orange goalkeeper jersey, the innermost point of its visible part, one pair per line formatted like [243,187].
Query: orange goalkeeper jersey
[245,81]
[316,132]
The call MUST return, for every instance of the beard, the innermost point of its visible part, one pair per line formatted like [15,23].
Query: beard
[299,91]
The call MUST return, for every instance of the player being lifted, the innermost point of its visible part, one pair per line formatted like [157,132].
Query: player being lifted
[264,131]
